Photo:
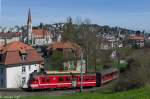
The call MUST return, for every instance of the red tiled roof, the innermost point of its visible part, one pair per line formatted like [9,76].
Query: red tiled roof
[16,46]
[40,33]
[136,38]
[12,58]
[12,54]
[33,56]
[1,47]
[63,45]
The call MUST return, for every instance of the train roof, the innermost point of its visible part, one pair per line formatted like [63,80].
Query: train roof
[107,71]
[61,74]
[102,72]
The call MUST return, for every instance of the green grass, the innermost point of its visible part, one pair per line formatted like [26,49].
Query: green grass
[143,93]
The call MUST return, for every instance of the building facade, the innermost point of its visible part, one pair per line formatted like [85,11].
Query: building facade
[8,37]
[136,41]
[17,62]
[41,37]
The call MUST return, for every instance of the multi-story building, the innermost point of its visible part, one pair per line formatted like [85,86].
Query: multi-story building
[41,37]
[17,62]
[136,40]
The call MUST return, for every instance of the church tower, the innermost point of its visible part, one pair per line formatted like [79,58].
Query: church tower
[29,28]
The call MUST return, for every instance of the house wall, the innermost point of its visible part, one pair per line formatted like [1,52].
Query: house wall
[137,42]
[2,40]
[43,41]
[13,39]
[17,77]
[70,66]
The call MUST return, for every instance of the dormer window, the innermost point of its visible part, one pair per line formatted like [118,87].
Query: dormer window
[23,55]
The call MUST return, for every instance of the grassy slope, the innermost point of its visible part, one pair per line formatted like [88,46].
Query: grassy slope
[143,93]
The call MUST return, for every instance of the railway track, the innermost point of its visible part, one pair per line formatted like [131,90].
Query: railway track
[56,92]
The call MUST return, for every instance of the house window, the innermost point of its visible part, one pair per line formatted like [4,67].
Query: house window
[23,69]
[23,80]
[24,57]
[29,67]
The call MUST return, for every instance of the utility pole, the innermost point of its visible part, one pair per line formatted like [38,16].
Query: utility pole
[81,70]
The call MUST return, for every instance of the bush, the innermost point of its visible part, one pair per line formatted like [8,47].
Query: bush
[136,76]
[57,57]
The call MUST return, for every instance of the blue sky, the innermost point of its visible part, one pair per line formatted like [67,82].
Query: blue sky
[132,14]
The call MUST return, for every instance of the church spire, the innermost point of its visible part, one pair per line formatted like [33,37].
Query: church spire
[29,28]
[29,17]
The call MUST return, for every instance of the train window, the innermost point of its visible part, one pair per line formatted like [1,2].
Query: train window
[79,78]
[36,80]
[92,78]
[82,79]
[47,79]
[61,79]
[43,79]
[33,79]
[68,79]
[86,78]
[74,78]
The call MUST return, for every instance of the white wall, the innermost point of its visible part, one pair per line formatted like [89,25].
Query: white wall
[15,75]
[13,39]
[43,41]
[2,41]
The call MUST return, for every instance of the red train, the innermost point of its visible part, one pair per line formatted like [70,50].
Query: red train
[43,81]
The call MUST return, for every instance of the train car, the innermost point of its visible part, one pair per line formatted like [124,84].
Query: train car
[61,81]
[50,81]
[106,76]
[43,81]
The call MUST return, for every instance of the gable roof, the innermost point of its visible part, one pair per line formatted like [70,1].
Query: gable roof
[12,54]
[63,45]
[40,33]
[16,46]
[136,38]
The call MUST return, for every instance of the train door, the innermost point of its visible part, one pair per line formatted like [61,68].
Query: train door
[98,79]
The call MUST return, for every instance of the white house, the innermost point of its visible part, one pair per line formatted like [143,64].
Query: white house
[17,61]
